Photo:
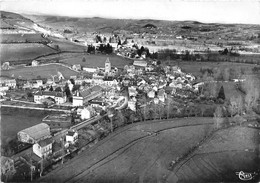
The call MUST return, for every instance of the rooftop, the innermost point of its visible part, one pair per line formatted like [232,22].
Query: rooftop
[45,142]
[58,118]
[37,131]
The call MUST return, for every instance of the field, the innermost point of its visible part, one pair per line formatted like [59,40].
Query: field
[97,60]
[22,38]
[66,45]
[44,71]
[132,155]
[12,123]
[194,67]
[134,152]
[228,152]
[23,52]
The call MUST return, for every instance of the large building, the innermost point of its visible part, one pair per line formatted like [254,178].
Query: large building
[86,95]
[34,134]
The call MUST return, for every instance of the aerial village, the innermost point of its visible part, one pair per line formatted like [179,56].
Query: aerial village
[88,106]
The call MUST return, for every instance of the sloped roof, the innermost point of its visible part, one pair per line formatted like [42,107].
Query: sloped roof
[50,93]
[37,131]
[45,142]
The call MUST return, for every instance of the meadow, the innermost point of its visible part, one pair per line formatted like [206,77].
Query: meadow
[132,155]
[140,151]
[97,60]
[45,71]
[23,51]
[22,38]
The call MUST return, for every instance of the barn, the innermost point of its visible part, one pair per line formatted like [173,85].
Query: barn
[34,134]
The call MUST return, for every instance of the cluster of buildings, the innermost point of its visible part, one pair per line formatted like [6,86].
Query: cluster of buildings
[107,88]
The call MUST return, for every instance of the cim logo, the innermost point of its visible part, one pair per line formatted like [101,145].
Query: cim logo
[246,176]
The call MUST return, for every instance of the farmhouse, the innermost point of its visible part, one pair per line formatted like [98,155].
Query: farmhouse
[59,97]
[86,95]
[58,121]
[43,148]
[34,134]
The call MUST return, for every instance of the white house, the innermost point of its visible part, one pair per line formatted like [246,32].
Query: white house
[85,114]
[35,63]
[88,69]
[140,63]
[43,148]
[72,137]
[59,97]
[151,94]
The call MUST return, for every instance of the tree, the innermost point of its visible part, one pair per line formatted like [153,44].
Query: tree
[51,88]
[252,88]
[221,93]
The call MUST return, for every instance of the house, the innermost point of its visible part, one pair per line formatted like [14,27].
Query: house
[110,81]
[98,102]
[132,91]
[132,104]
[76,67]
[43,148]
[88,69]
[85,114]
[140,63]
[72,137]
[59,97]
[151,94]
[34,134]
[9,82]
[35,63]
[161,95]
[58,121]
[7,168]
[86,95]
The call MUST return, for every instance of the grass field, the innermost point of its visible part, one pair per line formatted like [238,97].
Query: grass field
[44,71]
[22,38]
[194,67]
[221,157]
[66,45]
[97,60]
[132,154]
[24,51]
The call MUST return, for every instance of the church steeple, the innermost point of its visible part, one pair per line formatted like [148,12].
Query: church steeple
[107,66]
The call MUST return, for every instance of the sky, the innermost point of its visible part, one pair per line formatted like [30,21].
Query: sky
[207,11]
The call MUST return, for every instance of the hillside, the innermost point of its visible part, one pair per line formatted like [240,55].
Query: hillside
[143,152]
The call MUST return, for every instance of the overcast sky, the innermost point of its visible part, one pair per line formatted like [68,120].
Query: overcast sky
[221,11]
